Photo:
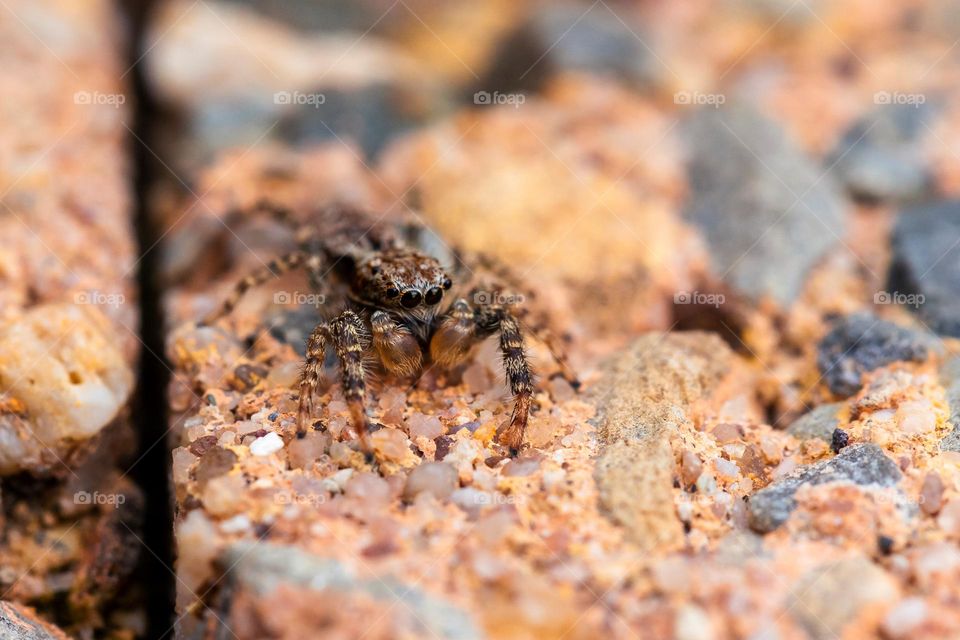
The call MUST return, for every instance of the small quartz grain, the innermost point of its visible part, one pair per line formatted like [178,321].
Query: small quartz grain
[266,445]
[435,478]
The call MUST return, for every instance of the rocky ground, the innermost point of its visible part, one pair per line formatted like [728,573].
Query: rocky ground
[71,515]
[741,225]
[738,219]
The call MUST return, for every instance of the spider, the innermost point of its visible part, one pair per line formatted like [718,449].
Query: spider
[394,311]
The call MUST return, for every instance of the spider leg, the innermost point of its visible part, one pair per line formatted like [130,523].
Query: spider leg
[347,335]
[312,373]
[519,377]
[555,347]
[535,327]
[284,215]
[349,343]
[275,267]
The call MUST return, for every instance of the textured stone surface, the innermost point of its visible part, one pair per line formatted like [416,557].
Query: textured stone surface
[819,422]
[765,210]
[863,464]
[21,623]
[881,157]
[832,595]
[950,379]
[264,567]
[926,261]
[68,322]
[644,397]
[66,379]
[860,343]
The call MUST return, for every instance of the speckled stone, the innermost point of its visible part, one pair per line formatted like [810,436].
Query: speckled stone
[926,262]
[862,464]
[641,401]
[263,568]
[761,203]
[819,422]
[860,343]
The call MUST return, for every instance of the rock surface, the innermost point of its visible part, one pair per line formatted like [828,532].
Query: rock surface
[863,465]
[881,158]
[860,343]
[926,263]
[21,623]
[68,324]
[765,210]
[648,392]
[67,380]
[819,422]
[833,595]
[950,378]
[263,568]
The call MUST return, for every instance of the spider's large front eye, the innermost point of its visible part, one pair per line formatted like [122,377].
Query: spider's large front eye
[433,295]
[411,298]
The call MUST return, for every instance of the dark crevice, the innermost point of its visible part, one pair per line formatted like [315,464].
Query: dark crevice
[155,575]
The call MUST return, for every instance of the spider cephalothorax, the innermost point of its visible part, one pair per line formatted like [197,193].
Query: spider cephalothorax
[401,280]
[398,308]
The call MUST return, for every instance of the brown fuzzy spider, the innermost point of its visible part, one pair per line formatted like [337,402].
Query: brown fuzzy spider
[393,311]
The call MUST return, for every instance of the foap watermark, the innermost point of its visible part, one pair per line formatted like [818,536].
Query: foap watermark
[97,498]
[497,298]
[299,98]
[899,97]
[699,298]
[99,98]
[896,297]
[307,499]
[299,298]
[699,98]
[100,298]
[486,498]
[487,98]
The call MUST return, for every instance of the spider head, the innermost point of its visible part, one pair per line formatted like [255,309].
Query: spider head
[401,280]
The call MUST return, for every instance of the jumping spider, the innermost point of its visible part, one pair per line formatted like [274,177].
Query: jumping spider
[392,310]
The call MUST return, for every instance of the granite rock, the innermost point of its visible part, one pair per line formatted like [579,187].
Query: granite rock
[819,422]
[859,343]
[880,158]
[18,622]
[642,399]
[861,464]
[767,214]
[263,568]
[926,263]
[64,379]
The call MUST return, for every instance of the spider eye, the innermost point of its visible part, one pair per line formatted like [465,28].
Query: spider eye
[447,283]
[393,292]
[433,295]
[411,298]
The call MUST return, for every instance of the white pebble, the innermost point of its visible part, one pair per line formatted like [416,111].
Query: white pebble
[904,618]
[270,443]
[236,524]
